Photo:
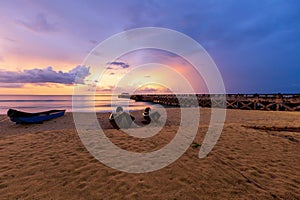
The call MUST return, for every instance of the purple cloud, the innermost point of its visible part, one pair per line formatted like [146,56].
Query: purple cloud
[260,36]
[93,41]
[47,75]
[11,85]
[9,39]
[39,24]
[105,89]
[120,64]
[149,90]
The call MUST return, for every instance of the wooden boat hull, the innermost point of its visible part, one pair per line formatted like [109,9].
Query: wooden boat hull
[31,118]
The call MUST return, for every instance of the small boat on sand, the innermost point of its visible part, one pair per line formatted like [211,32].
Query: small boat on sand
[30,118]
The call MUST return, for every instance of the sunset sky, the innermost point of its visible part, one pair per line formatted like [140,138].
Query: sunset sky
[254,43]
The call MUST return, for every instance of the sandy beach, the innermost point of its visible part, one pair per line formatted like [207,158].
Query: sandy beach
[256,157]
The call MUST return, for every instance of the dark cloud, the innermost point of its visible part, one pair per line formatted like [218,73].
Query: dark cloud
[39,24]
[242,37]
[47,75]
[93,41]
[105,89]
[111,73]
[9,39]
[120,64]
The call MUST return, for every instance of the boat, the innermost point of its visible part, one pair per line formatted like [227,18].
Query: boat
[30,118]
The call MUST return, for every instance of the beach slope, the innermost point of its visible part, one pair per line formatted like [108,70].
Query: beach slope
[256,157]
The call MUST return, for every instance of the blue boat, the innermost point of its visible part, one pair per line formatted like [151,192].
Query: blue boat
[30,118]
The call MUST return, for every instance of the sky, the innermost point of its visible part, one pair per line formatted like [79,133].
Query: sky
[43,44]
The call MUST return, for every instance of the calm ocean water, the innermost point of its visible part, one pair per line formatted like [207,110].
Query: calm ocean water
[35,103]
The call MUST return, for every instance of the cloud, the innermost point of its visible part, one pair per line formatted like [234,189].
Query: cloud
[258,35]
[9,39]
[39,24]
[46,75]
[105,89]
[149,90]
[120,64]
[93,42]
[11,85]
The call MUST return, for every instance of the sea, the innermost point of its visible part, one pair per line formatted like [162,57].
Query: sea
[97,103]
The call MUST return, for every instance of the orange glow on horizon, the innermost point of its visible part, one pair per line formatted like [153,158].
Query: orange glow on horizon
[134,79]
[39,89]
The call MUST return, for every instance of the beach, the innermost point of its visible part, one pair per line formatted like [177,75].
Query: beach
[256,157]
